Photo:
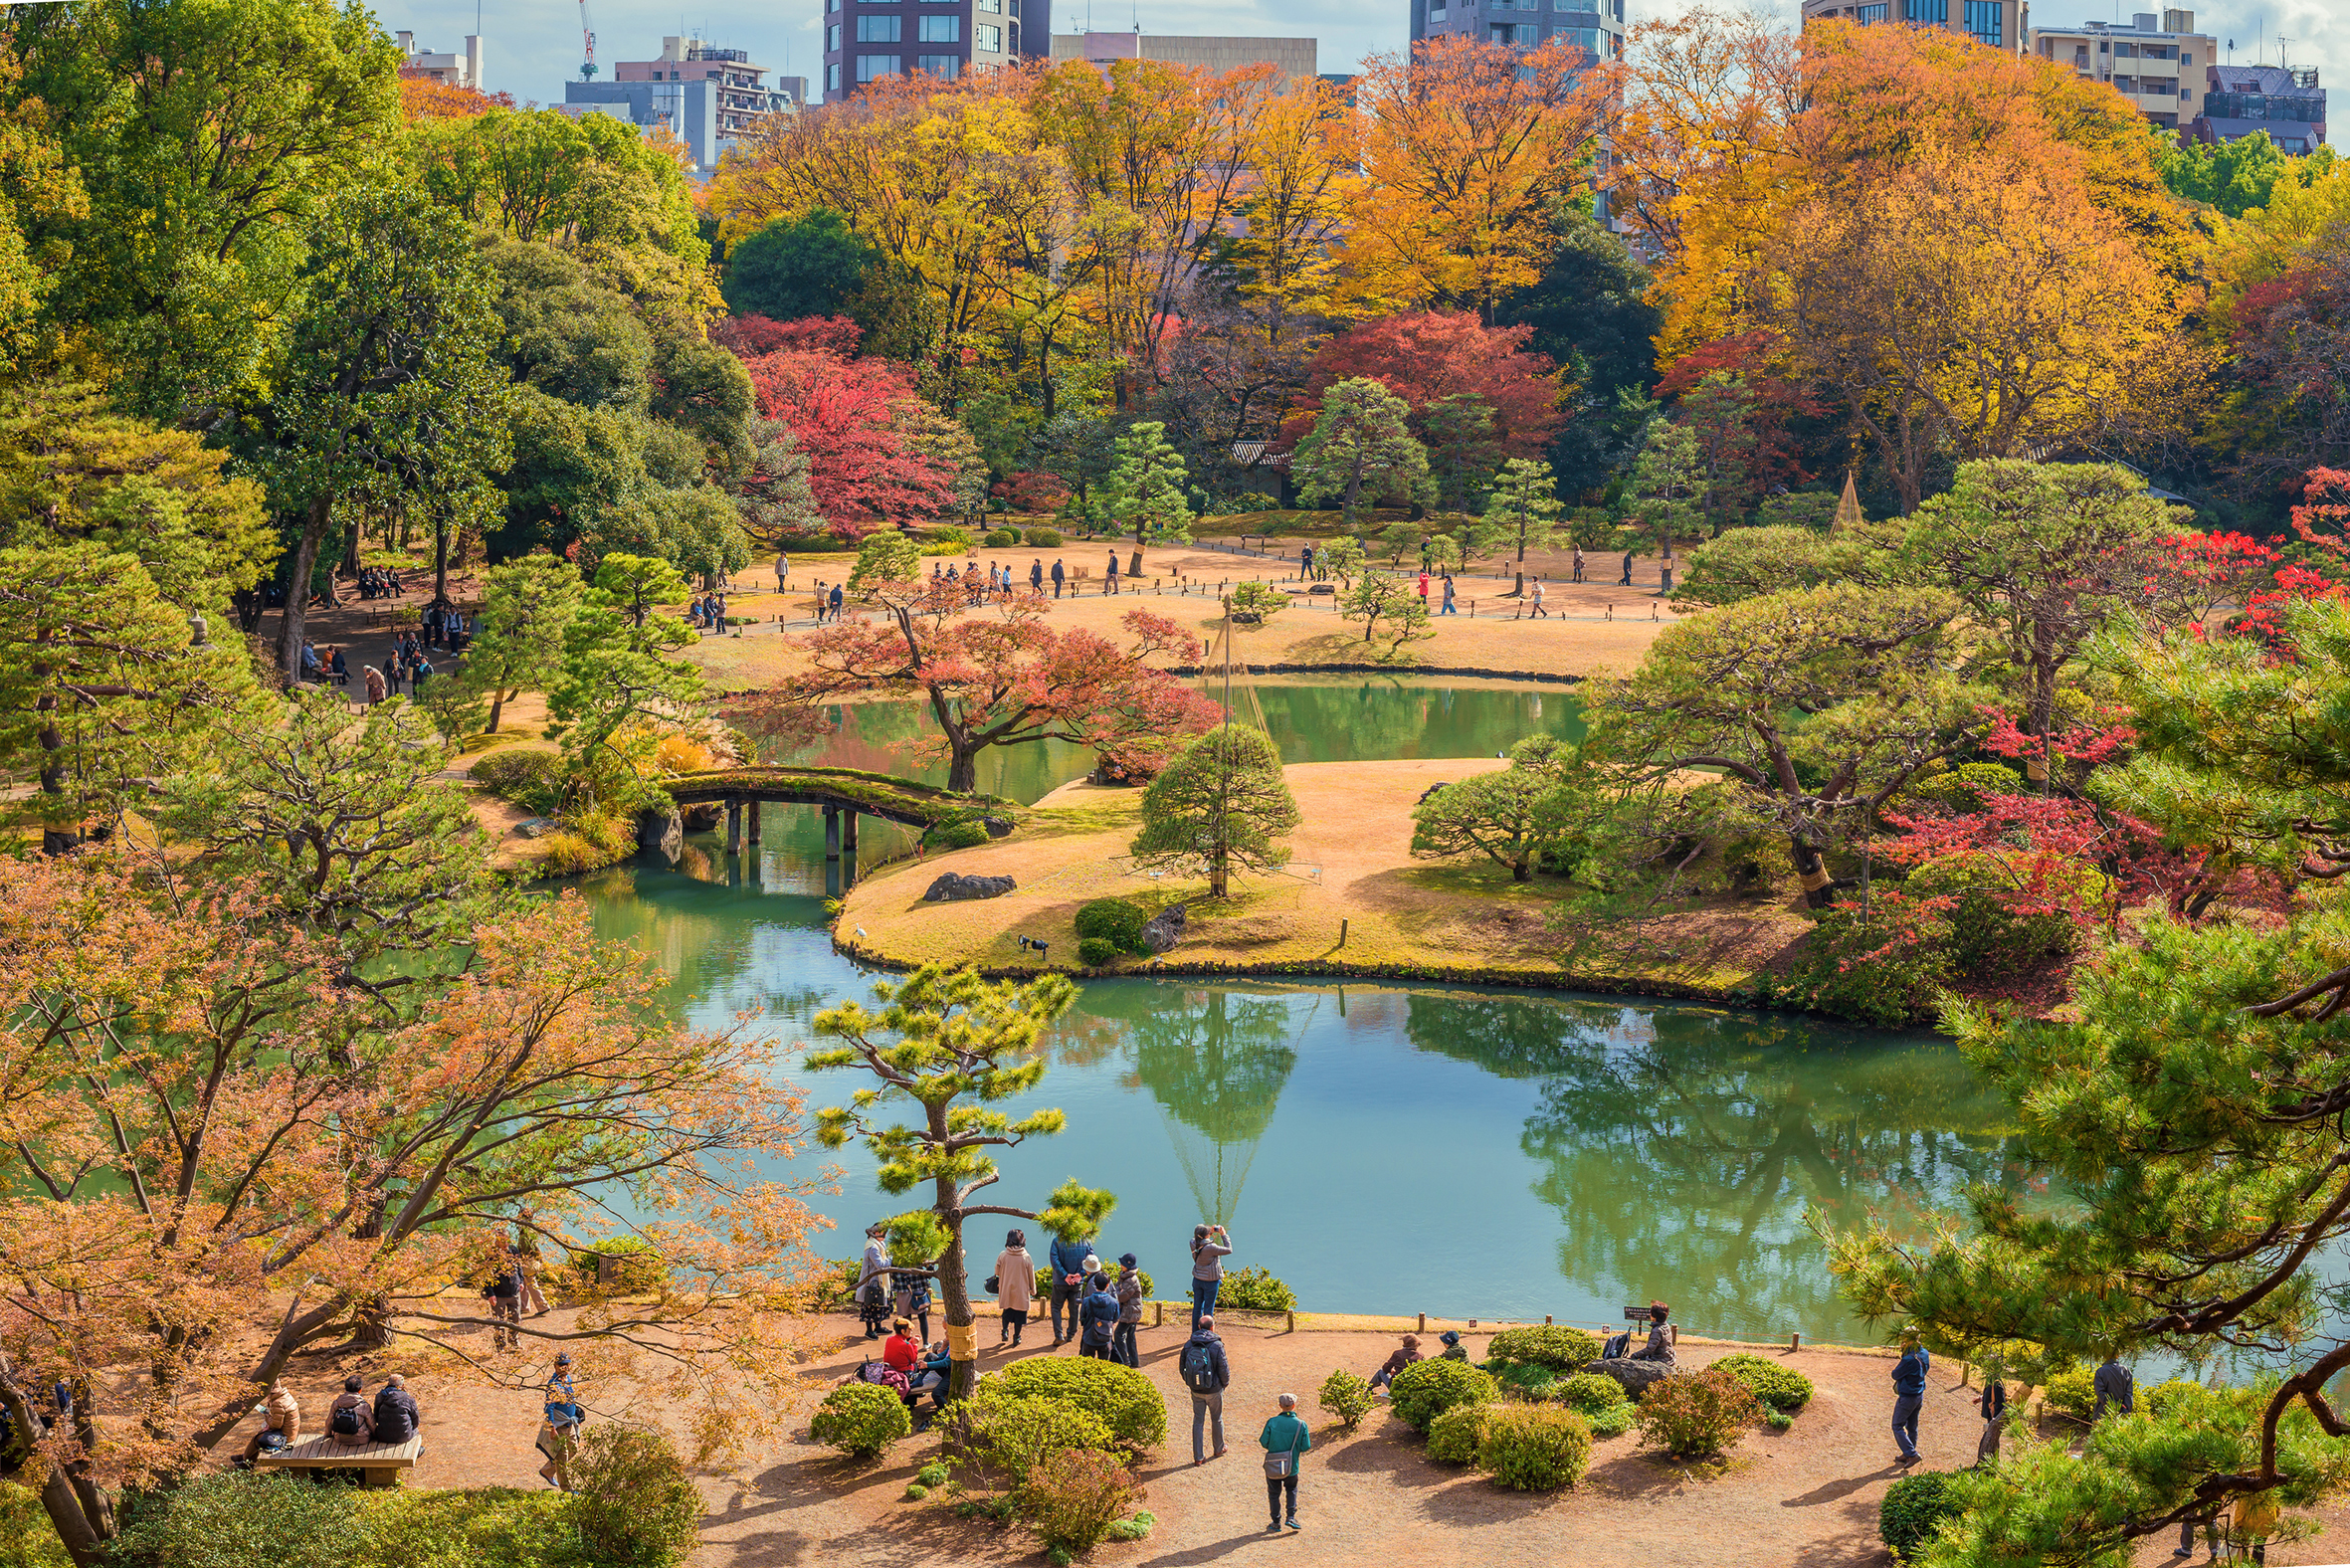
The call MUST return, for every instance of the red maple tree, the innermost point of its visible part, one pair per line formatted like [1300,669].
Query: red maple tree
[999,677]
[745,336]
[851,418]
[1425,356]
[1771,403]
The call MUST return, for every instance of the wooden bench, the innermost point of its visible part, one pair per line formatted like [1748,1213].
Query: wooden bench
[382,1462]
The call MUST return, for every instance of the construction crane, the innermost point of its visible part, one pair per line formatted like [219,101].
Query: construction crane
[587,37]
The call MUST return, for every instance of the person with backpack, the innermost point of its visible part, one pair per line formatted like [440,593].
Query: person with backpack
[837,600]
[1099,1319]
[1285,1441]
[1067,1257]
[1122,1346]
[505,1291]
[350,1421]
[1014,1286]
[1909,1394]
[1209,1247]
[397,1418]
[1206,1374]
[1994,1408]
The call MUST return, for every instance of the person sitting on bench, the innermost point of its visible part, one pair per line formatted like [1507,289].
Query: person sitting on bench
[397,1418]
[1396,1363]
[282,1415]
[350,1421]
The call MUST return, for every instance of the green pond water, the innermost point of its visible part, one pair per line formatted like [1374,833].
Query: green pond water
[1392,1148]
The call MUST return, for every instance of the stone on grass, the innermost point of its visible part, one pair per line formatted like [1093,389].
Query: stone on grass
[1165,928]
[1636,1376]
[954,886]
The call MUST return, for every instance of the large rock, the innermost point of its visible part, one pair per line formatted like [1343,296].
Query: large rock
[954,886]
[1165,928]
[661,832]
[1636,1376]
[703,815]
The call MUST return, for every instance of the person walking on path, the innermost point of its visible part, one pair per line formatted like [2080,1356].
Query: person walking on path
[1578,563]
[1538,610]
[2115,1387]
[1207,1373]
[1035,575]
[1015,1286]
[558,1431]
[1994,1408]
[1210,1245]
[1424,590]
[1109,579]
[1099,1319]
[1626,579]
[1122,1345]
[1447,608]
[1909,1394]
[1059,576]
[1285,1441]
[375,693]
[837,600]
[1067,1257]
[534,1303]
[506,1302]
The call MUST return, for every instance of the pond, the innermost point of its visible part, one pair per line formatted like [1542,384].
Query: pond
[1397,1148]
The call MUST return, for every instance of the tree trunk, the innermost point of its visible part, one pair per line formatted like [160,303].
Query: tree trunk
[440,567]
[962,771]
[297,591]
[55,840]
[73,1527]
[496,706]
[1519,872]
[1818,895]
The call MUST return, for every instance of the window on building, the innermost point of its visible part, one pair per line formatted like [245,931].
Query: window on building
[879,30]
[939,29]
[991,7]
[2186,57]
[1436,13]
[1499,32]
[872,68]
[1580,37]
[1987,21]
[832,77]
[989,39]
[1929,11]
[832,39]
[942,67]
[1872,13]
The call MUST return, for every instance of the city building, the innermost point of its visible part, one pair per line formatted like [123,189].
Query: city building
[1998,24]
[451,71]
[867,40]
[1295,56]
[1593,25]
[2161,69]
[2282,100]
[707,97]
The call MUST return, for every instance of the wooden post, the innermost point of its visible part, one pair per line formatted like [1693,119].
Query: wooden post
[1291,1319]
[754,821]
[1342,943]
[733,827]
[1546,1320]
[1158,1315]
[831,832]
[1795,1342]
[1424,1323]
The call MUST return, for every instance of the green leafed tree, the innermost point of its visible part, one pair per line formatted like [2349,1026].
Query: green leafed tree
[1667,485]
[1145,489]
[949,1045]
[1373,599]
[889,556]
[1523,509]
[1220,804]
[527,608]
[617,666]
[1361,448]
[1492,814]
[810,265]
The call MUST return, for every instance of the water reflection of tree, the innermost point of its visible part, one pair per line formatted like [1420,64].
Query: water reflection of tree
[1215,1060]
[1682,1147]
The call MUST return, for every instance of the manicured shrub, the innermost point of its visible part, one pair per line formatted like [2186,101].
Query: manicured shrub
[1042,538]
[236,1519]
[1454,1435]
[1780,1387]
[1125,1399]
[1551,1345]
[1613,1422]
[915,1491]
[1591,1393]
[1118,921]
[1008,1435]
[1347,1396]
[1252,1289]
[1425,1390]
[931,1475]
[1523,1379]
[952,534]
[1913,1509]
[528,778]
[2010,910]
[2072,1392]
[958,836]
[860,1420]
[1778,1420]
[1001,538]
[1251,500]
[1532,1447]
[1072,1498]
[1690,1415]
[1133,1529]
[631,1501]
[474,1527]
[1095,951]
[1886,966]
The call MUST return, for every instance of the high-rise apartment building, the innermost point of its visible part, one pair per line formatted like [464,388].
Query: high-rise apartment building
[866,40]
[1294,57]
[707,97]
[2157,63]
[2283,101]
[741,87]
[1998,24]
[1593,25]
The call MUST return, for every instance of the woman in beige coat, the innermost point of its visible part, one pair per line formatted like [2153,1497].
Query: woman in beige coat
[1015,1287]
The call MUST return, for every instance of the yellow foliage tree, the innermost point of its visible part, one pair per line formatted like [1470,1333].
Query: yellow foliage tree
[1302,156]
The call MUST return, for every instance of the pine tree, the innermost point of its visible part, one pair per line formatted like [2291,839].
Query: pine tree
[1362,442]
[527,608]
[1524,505]
[1145,490]
[1221,803]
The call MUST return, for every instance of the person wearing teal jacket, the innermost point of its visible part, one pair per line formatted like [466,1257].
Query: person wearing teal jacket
[1285,1441]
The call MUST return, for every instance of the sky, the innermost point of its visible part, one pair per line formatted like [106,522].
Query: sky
[533,46]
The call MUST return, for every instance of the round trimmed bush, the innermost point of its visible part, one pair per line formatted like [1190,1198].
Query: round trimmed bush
[1523,1379]
[1913,1509]
[1127,1400]
[1780,1387]
[1532,1447]
[1095,951]
[1118,921]
[1690,1415]
[1010,1434]
[931,1475]
[1591,1393]
[1425,1390]
[1042,538]
[528,778]
[1070,1498]
[1552,1346]
[860,1420]
[959,835]
[1254,1289]
[2073,1392]
[1001,538]
[631,1498]
[2003,919]
[1347,1396]
[1453,1438]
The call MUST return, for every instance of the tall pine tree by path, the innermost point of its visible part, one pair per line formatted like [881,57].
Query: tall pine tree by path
[1145,489]
[1524,506]
[1361,447]
[1222,803]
